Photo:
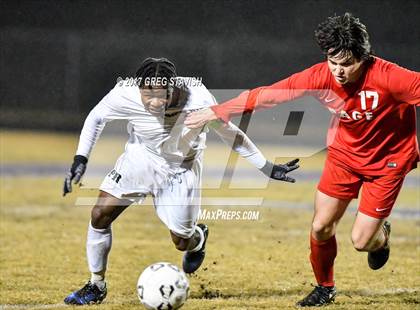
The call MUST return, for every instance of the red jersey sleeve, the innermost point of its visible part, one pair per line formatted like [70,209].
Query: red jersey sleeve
[295,86]
[403,84]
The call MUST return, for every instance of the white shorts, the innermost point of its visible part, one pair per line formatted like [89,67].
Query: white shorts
[177,197]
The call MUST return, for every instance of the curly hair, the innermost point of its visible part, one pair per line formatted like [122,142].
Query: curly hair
[344,34]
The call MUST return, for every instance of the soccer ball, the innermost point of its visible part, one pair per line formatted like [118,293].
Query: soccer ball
[163,286]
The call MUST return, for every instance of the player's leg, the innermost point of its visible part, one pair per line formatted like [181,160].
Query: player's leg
[185,233]
[178,205]
[98,246]
[371,231]
[99,237]
[129,181]
[336,189]
[328,212]
[368,234]
[371,235]
[196,250]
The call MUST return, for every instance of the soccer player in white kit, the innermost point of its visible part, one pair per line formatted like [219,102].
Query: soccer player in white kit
[162,158]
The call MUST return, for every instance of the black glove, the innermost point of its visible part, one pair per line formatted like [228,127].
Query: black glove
[76,172]
[279,172]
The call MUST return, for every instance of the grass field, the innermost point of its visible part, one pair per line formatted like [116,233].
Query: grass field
[259,264]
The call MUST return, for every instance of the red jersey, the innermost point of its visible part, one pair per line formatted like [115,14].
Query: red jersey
[375,118]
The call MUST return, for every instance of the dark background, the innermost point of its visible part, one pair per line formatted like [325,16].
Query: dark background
[59,58]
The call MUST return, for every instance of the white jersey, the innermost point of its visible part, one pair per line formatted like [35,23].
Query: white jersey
[166,138]
[163,157]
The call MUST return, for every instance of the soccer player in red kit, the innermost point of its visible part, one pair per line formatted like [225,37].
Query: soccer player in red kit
[374,146]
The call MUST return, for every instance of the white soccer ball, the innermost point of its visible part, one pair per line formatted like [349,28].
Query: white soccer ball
[163,286]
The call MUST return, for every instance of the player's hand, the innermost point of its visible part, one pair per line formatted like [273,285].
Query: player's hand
[200,118]
[75,173]
[279,172]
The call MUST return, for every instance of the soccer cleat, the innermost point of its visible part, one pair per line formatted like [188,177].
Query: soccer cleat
[193,260]
[88,294]
[377,259]
[320,296]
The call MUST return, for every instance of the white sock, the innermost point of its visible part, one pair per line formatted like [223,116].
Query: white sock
[98,279]
[200,244]
[98,245]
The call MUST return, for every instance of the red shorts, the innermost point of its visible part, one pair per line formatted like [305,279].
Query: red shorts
[378,192]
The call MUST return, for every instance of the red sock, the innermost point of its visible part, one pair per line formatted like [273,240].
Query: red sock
[322,258]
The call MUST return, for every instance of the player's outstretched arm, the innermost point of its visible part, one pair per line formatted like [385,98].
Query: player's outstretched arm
[107,109]
[91,131]
[295,86]
[240,143]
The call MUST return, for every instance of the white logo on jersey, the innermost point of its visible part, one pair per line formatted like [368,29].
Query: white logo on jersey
[363,114]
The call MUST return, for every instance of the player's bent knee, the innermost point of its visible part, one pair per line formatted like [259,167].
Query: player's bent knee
[97,214]
[100,218]
[322,229]
[358,243]
[361,247]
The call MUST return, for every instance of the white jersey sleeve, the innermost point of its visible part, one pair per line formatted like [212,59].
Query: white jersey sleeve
[233,136]
[239,142]
[109,108]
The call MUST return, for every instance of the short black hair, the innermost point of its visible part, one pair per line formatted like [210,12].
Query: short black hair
[346,34]
[154,68]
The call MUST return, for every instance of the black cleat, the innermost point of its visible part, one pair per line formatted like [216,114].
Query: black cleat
[320,296]
[87,295]
[193,260]
[377,259]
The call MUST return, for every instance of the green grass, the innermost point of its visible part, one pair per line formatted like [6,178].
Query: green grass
[259,264]
[250,265]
